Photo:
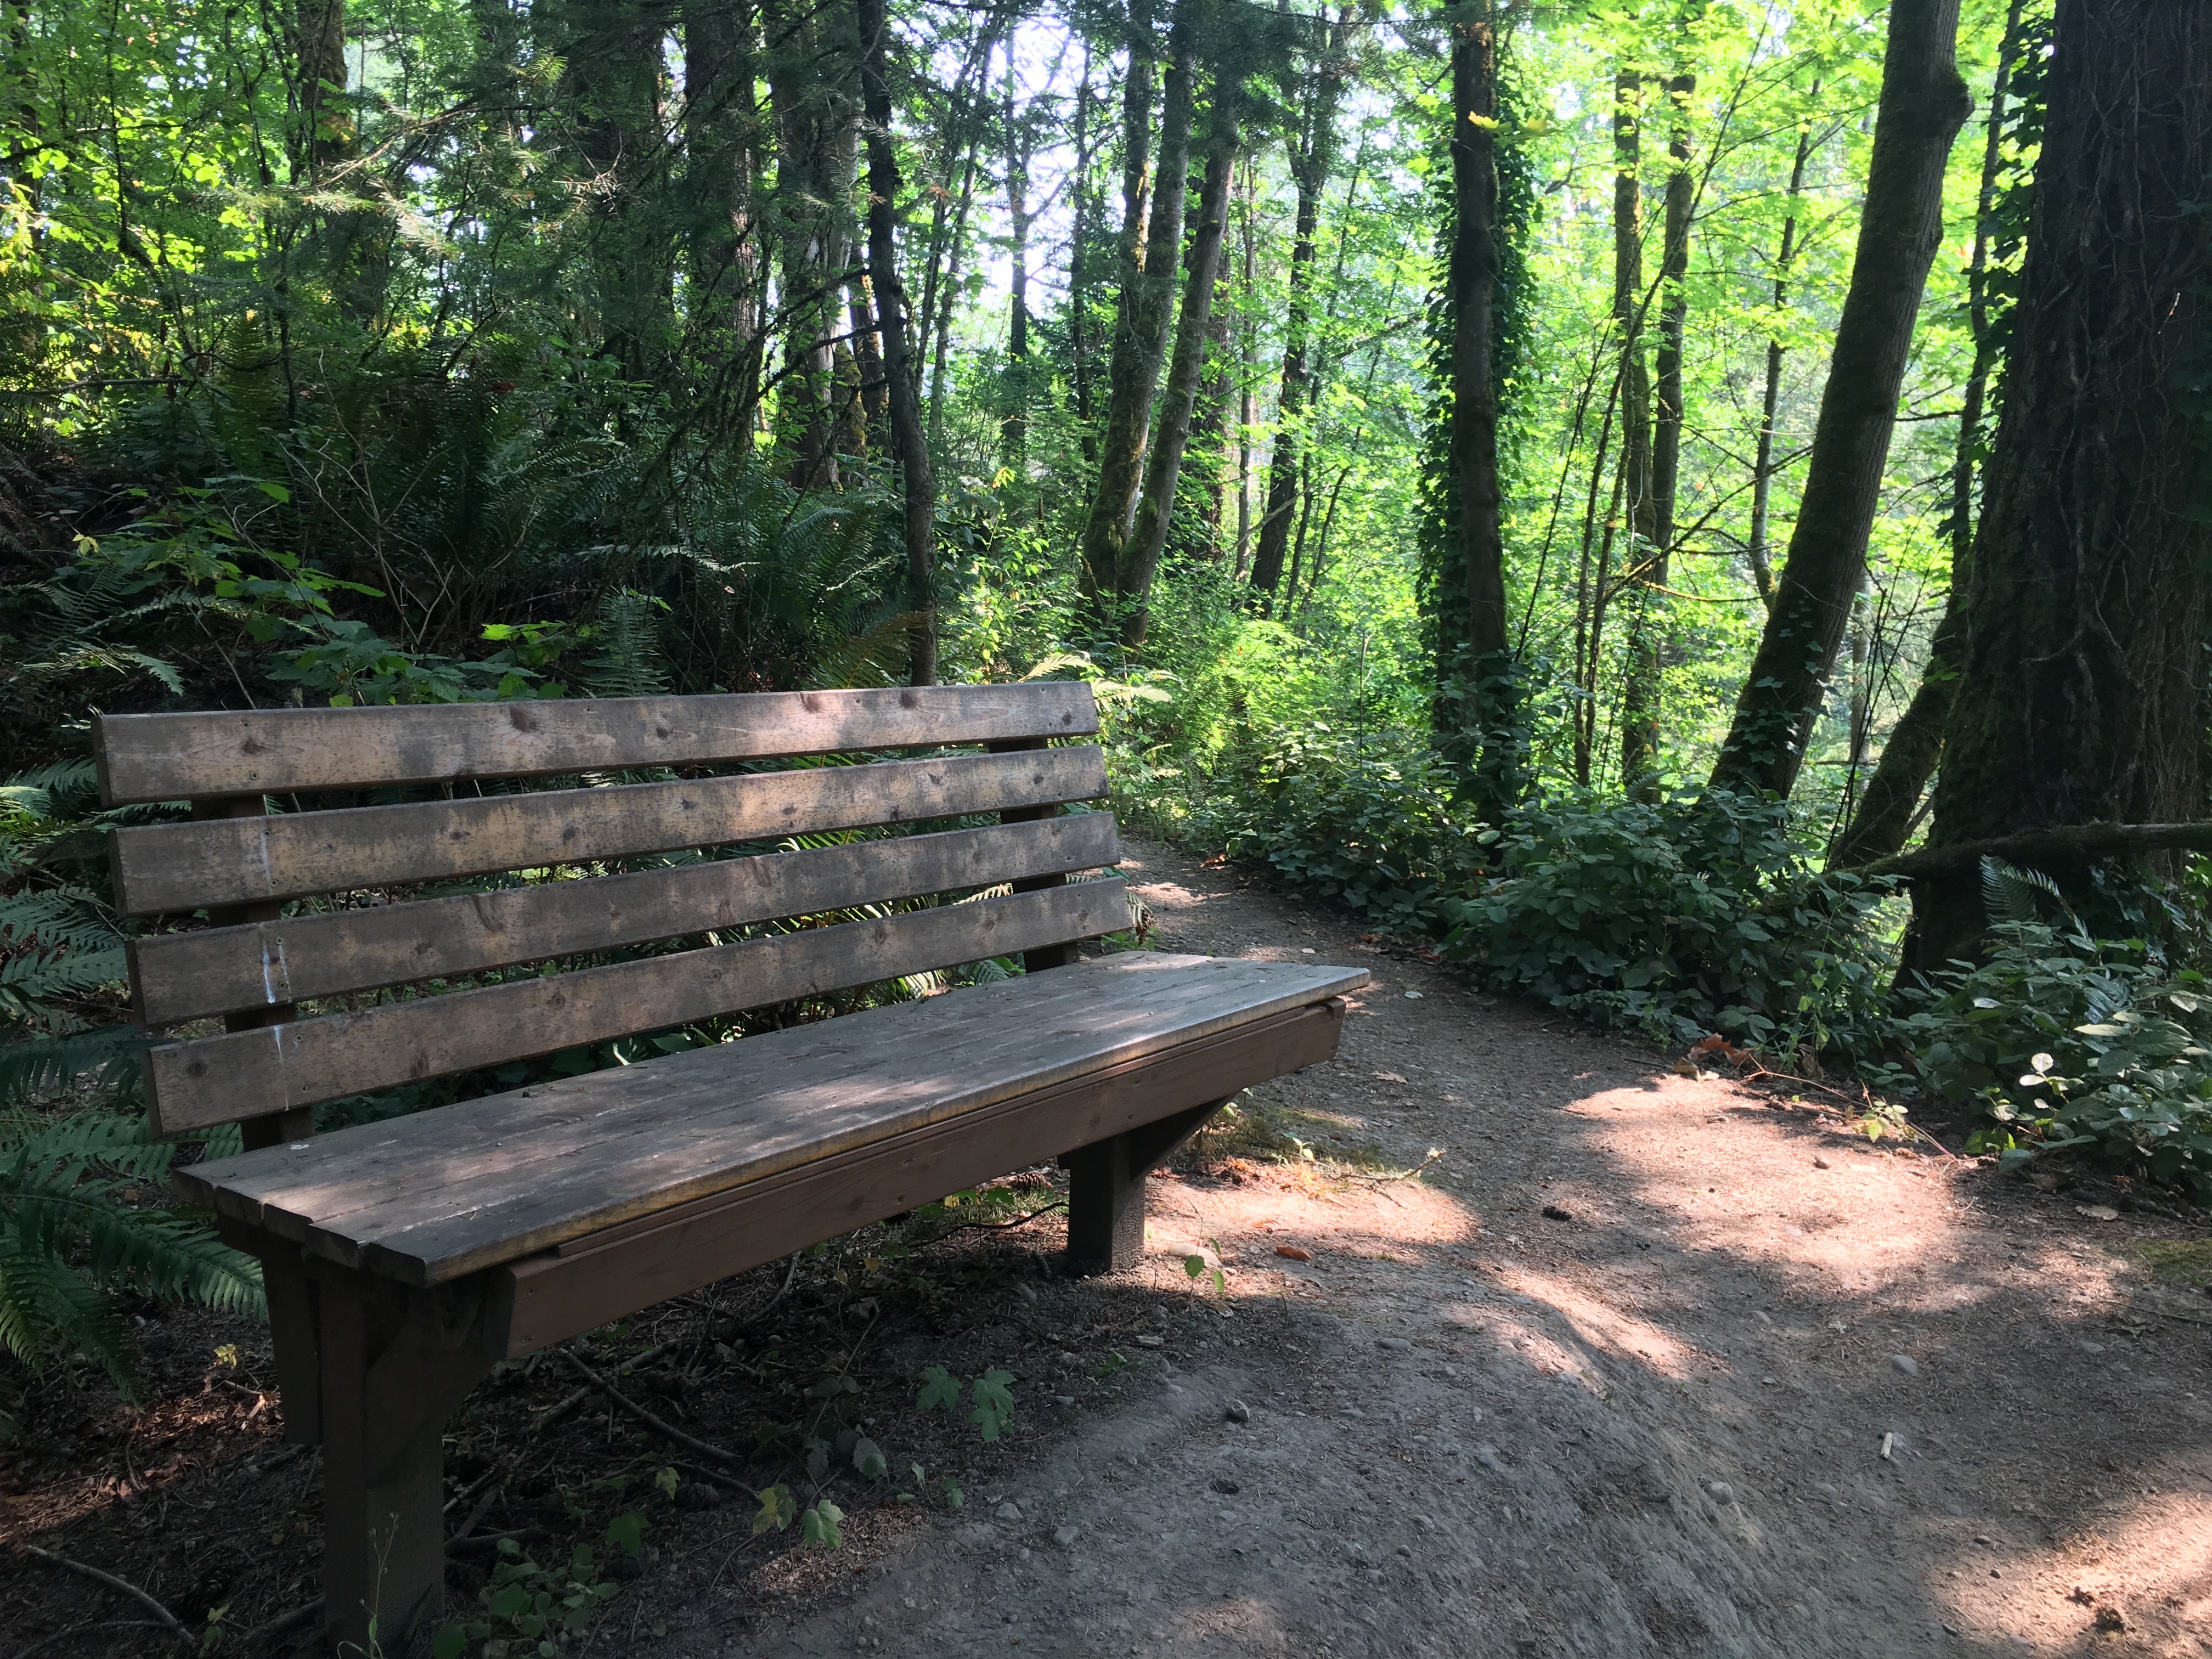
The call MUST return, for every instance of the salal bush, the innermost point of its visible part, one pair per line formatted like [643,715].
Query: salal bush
[1678,916]
[2063,1041]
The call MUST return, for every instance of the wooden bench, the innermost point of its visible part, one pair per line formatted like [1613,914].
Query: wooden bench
[403,1257]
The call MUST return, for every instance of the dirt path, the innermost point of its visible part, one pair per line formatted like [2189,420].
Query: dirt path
[1657,1426]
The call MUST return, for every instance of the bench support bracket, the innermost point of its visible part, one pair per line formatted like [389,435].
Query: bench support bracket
[1106,1190]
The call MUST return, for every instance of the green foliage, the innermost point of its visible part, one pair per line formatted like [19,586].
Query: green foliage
[539,1607]
[990,1395]
[2064,1043]
[73,1237]
[1372,823]
[1681,916]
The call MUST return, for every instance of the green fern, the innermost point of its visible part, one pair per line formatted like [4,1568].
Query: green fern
[2013,895]
[630,663]
[70,1241]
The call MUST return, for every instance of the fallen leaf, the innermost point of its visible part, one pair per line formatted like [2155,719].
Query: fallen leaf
[1685,1068]
[2109,1618]
[2097,1211]
[1296,1253]
[1387,1077]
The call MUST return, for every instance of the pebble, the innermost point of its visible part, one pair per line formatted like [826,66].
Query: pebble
[1063,1400]
[1486,1455]
[1027,1293]
[1226,1487]
[1394,1344]
[1238,1412]
[1352,1412]
[1720,1490]
[1413,996]
[1906,1364]
[2093,1347]
[1064,1536]
[1008,1512]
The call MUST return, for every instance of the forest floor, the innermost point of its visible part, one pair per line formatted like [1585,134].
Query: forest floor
[1641,1362]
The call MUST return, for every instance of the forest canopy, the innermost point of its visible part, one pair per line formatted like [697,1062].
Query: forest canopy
[1694,510]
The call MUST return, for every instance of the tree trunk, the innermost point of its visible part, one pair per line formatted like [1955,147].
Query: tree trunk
[1886,810]
[2082,684]
[1313,152]
[1640,700]
[1472,443]
[1079,270]
[1762,465]
[1924,103]
[1140,559]
[1248,376]
[1143,317]
[721,135]
[1014,428]
[808,76]
[907,438]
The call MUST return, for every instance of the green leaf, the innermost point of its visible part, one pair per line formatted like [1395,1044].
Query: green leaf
[821,1525]
[940,1390]
[627,1532]
[994,1399]
[450,1641]
[777,1510]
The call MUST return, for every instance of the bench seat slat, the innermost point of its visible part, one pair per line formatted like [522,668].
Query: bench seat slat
[170,867]
[275,1068]
[429,1197]
[182,977]
[177,756]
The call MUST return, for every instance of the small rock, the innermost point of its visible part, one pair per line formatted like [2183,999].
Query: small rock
[1413,996]
[1238,1412]
[1294,1252]
[1063,1400]
[1064,1536]
[1720,1491]
[1149,1341]
[2097,1211]
[1982,1538]
[1027,1293]
[1822,1164]
[1906,1364]
[1227,1488]
[1394,1344]
[1554,1212]
[2093,1347]
[1486,1455]
[1008,1512]
[1406,1550]
[1351,1412]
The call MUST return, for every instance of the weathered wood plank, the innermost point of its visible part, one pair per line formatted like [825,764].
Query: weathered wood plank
[440,1162]
[549,1297]
[173,867]
[468,1185]
[149,758]
[245,1074]
[181,976]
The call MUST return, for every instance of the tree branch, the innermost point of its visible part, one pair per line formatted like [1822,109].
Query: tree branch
[2077,841]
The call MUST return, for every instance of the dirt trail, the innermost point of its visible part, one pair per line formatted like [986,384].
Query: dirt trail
[1657,1426]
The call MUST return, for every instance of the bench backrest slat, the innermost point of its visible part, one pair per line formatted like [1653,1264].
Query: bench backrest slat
[275,1068]
[290,988]
[189,975]
[163,868]
[182,757]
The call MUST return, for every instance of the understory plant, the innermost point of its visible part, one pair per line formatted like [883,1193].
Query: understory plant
[1681,916]
[2060,1042]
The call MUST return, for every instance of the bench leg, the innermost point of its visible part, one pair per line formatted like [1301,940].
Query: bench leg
[394,1365]
[383,1537]
[1106,1190]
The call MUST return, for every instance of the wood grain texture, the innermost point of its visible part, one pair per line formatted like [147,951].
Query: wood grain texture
[180,976]
[431,1197]
[608,1276]
[251,1073]
[175,867]
[151,757]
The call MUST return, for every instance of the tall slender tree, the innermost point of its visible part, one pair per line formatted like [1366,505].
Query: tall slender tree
[1923,104]
[1312,156]
[1770,403]
[917,480]
[1145,311]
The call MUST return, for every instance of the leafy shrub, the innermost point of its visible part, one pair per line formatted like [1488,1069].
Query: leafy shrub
[2064,1042]
[1369,822]
[1681,916]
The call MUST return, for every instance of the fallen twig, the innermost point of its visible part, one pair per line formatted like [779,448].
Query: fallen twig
[168,1619]
[1910,1128]
[1001,1226]
[1435,1153]
[659,1425]
[569,1402]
